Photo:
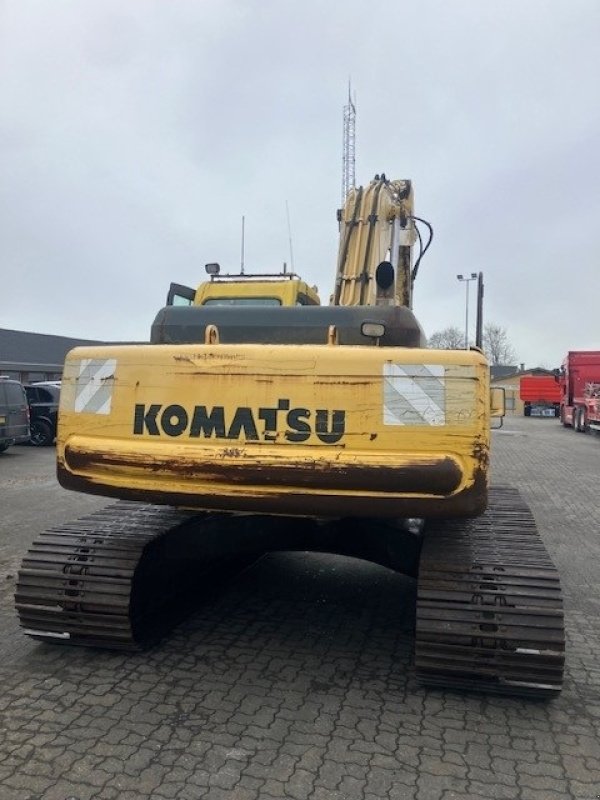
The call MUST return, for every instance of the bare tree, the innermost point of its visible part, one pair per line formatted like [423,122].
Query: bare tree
[497,346]
[451,338]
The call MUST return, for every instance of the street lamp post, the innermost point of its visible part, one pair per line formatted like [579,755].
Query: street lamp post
[467,281]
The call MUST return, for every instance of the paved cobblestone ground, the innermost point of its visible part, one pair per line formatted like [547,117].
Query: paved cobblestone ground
[297,680]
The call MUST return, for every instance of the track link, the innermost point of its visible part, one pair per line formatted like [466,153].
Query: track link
[489,604]
[112,579]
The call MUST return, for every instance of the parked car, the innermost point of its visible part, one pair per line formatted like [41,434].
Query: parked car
[43,398]
[14,413]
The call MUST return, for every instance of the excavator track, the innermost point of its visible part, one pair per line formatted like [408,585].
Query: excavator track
[489,605]
[114,579]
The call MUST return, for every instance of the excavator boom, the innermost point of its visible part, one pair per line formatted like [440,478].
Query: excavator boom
[377,233]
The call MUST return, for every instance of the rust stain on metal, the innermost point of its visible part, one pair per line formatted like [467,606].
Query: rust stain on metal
[337,382]
[210,356]
[481,454]
[471,502]
[232,452]
[439,477]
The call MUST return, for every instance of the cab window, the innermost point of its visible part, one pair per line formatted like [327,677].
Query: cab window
[305,300]
[46,396]
[15,396]
[32,394]
[242,301]
[178,300]
[180,295]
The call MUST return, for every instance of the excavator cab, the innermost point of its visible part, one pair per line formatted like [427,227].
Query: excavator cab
[264,289]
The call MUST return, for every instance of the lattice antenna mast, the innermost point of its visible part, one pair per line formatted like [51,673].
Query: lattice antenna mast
[349,151]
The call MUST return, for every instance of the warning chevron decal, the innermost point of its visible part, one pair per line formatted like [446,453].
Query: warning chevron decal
[94,385]
[414,394]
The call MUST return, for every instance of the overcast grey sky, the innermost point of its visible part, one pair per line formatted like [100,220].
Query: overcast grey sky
[135,135]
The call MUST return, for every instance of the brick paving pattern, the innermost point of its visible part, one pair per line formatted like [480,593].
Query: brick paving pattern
[297,681]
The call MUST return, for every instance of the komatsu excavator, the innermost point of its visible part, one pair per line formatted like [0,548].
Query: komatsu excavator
[262,421]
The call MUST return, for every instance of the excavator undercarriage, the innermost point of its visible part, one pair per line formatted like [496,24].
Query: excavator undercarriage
[489,609]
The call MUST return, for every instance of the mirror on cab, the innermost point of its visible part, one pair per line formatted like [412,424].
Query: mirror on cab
[498,404]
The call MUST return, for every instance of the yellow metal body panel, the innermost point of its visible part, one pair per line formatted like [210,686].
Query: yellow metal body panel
[323,431]
[288,291]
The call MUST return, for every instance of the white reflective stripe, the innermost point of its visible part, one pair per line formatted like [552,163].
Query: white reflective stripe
[105,407]
[94,385]
[414,394]
[85,388]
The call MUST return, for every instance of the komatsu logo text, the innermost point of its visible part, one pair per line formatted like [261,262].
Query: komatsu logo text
[262,424]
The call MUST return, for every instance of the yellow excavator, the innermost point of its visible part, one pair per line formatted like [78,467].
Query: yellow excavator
[258,420]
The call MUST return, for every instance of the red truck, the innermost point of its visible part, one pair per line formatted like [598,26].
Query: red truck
[579,382]
[540,395]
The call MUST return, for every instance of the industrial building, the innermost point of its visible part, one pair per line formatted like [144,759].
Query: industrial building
[30,357]
[509,378]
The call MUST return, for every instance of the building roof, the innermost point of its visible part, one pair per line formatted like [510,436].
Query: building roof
[518,373]
[498,371]
[23,347]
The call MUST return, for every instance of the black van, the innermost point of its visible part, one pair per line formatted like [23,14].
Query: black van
[43,398]
[14,413]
